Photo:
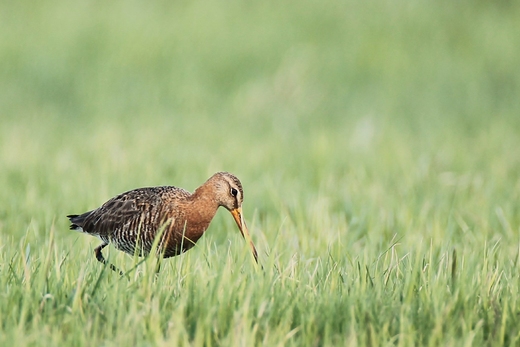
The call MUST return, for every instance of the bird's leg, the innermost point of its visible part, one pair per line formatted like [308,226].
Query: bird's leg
[99,255]
[101,259]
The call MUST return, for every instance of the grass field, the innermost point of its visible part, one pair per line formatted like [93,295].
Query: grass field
[378,143]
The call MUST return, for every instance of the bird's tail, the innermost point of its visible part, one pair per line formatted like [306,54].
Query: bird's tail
[77,220]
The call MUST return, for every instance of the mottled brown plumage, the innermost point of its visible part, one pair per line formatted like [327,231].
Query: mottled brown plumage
[131,221]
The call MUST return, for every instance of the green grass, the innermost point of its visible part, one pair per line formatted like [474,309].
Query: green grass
[378,144]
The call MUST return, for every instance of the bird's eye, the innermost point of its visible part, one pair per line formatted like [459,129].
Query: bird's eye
[234,192]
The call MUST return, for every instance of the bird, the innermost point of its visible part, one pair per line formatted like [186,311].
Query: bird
[132,221]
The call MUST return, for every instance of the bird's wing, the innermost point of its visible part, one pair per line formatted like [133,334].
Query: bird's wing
[126,208]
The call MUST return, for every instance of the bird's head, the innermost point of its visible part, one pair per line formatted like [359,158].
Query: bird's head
[230,195]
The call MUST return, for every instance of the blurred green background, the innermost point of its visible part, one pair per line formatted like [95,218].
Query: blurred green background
[299,99]
[362,106]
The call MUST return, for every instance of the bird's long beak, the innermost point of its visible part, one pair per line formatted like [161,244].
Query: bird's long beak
[237,215]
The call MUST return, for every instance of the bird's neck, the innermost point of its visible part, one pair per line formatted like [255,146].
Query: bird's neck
[204,205]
